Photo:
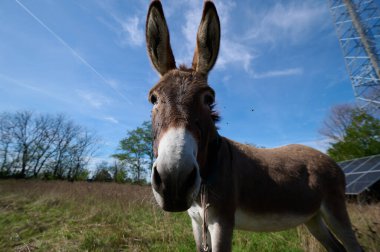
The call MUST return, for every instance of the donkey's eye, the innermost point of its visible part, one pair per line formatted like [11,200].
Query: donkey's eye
[208,100]
[153,99]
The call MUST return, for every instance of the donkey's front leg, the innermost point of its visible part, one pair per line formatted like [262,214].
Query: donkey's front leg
[196,215]
[221,231]
[197,231]
[219,235]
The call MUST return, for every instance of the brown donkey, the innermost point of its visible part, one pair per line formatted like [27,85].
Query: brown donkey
[244,187]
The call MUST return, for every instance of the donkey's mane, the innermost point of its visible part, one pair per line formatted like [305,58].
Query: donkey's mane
[185,68]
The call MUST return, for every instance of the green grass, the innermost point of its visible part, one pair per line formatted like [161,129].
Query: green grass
[63,216]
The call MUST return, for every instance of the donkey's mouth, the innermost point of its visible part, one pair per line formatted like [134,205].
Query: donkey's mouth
[180,197]
[181,204]
[176,205]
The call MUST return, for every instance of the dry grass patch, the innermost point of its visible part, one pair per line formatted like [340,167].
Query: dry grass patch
[81,216]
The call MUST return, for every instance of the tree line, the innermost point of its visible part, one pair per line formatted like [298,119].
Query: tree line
[133,158]
[54,147]
[352,132]
[44,146]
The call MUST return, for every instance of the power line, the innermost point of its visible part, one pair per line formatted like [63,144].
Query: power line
[75,53]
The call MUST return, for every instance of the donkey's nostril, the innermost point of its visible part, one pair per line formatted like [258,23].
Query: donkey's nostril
[156,179]
[191,178]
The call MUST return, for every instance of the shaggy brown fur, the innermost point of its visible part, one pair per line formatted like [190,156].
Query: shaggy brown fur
[247,186]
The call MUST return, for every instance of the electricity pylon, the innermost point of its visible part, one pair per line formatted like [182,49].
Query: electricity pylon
[357,23]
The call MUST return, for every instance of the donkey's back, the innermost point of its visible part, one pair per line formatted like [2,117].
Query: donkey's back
[284,187]
[293,178]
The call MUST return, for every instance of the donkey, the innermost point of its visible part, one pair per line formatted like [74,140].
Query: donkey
[242,187]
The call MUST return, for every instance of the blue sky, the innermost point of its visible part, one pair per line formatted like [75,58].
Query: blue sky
[279,71]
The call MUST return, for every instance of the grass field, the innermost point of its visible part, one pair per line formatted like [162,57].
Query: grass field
[81,216]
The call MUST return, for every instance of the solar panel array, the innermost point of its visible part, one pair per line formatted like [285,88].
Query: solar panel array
[361,173]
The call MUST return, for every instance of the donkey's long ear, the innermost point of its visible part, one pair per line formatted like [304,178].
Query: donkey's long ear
[157,39]
[208,40]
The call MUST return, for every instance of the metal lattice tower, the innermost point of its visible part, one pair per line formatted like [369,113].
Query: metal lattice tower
[357,23]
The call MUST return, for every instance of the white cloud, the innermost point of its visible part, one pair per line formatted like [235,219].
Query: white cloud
[289,20]
[40,88]
[94,161]
[192,15]
[74,52]
[277,73]
[111,119]
[129,29]
[113,83]
[133,32]
[232,52]
[293,20]
[93,99]
[24,85]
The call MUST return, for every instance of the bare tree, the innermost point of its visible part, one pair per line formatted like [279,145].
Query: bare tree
[65,138]
[80,153]
[102,172]
[335,125]
[5,144]
[45,148]
[24,134]
[34,144]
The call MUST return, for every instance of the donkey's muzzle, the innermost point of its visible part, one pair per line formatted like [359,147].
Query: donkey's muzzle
[176,192]
[175,173]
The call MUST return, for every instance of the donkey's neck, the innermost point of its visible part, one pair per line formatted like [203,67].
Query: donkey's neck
[212,162]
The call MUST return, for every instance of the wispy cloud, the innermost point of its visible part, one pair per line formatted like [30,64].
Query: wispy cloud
[95,161]
[189,29]
[24,85]
[277,73]
[232,51]
[134,34]
[35,88]
[129,30]
[111,119]
[93,99]
[290,20]
[72,50]
[114,83]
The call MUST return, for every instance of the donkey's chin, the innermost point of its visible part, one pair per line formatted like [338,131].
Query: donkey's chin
[180,204]
[176,206]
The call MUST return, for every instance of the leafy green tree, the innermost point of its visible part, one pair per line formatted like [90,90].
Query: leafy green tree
[119,174]
[136,151]
[102,176]
[148,140]
[361,137]
[83,175]
[102,173]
